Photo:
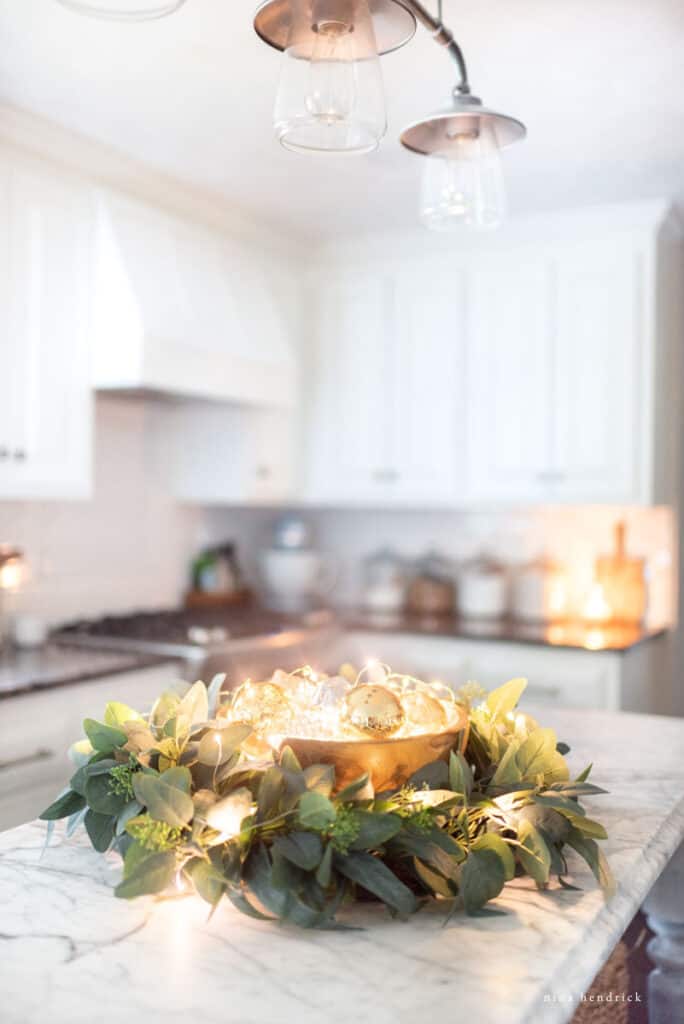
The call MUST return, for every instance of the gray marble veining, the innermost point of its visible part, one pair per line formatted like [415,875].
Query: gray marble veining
[70,952]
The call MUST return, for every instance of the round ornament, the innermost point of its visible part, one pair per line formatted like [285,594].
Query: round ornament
[374,710]
[264,705]
[424,712]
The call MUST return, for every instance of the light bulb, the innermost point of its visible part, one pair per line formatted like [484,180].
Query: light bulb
[330,98]
[463,184]
[332,74]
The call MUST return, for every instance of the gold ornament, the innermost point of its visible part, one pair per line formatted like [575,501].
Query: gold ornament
[264,705]
[373,710]
[424,712]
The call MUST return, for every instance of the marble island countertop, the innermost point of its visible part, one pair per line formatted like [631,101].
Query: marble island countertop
[71,953]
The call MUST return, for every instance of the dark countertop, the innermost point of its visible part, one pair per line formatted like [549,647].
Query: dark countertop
[56,665]
[571,635]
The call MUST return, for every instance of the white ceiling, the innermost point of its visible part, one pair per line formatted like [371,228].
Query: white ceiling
[599,83]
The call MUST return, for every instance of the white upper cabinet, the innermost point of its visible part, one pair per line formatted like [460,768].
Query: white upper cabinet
[554,388]
[383,421]
[538,365]
[217,453]
[350,416]
[598,387]
[182,309]
[46,419]
[508,399]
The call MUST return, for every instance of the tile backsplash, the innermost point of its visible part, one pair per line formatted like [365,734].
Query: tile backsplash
[126,548]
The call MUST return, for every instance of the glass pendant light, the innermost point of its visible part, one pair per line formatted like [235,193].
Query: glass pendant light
[331,98]
[463,183]
[123,10]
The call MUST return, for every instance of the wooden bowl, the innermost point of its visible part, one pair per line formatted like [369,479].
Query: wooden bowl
[389,762]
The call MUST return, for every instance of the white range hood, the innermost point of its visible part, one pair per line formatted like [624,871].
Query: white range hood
[184,310]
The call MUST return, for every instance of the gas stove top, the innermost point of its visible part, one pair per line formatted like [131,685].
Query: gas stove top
[192,634]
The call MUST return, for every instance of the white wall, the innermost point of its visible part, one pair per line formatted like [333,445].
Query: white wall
[129,547]
[572,535]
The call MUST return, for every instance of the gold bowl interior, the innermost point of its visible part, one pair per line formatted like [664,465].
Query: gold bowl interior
[389,762]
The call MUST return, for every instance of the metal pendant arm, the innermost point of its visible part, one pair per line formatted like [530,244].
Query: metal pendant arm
[444,36]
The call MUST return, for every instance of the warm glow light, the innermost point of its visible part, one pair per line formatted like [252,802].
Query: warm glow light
[596,607]
[227,815]
[11,574]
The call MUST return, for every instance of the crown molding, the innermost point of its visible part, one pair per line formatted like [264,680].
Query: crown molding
[105,166]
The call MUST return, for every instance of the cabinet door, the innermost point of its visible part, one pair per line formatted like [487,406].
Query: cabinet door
[352,401]
[427,371]
[508,380]
[49,425]
[215,453]
[598,350]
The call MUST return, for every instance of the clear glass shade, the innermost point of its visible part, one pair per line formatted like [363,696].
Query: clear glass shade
[123,10]
[463,185]
[330,98]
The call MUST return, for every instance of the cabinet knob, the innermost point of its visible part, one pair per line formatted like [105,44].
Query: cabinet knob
[4,452]
[263,472]
[386,476]
[19,454]
[550,476]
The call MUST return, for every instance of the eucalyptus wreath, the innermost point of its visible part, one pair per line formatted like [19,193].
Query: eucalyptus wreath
[174,793]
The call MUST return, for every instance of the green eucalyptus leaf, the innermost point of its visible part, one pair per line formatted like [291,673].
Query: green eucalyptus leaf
[289,761]
[117,714]
[434,775]
[320,778]
[218,745]
[460,775]
[271,789]
[214,692]
[66,805]
[371,874]
[375,829]
[507,771]
[536,753]
[482,878]
[207,877]
[415,843]
[433,881]
[103,737]
[151,874]
[504,699]
[350,791]
[315,811]
[491,841]
[241,903]
[131,810]
[593,855]
[324,870]
[194,706]
[533,853]
[101,798]
[304,849]
[100,829]
[164,801]
[164,708]
[588,827]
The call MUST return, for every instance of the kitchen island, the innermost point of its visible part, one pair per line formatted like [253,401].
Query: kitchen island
[73,953]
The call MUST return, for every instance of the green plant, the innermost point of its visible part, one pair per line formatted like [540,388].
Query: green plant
[182,803]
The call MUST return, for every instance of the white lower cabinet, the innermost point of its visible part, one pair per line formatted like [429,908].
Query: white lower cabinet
[37,729]
[557,677]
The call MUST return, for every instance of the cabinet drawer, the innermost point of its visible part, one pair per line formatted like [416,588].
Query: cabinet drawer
[556,676]
[51,720]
